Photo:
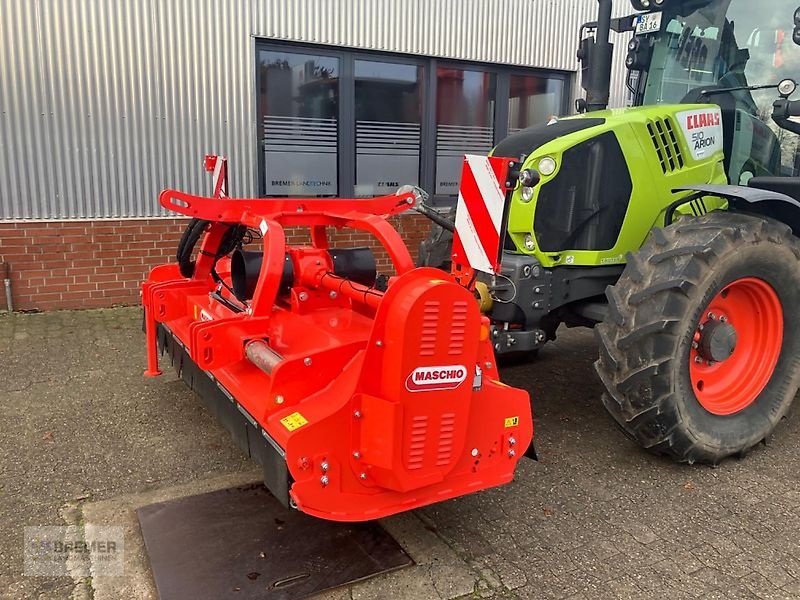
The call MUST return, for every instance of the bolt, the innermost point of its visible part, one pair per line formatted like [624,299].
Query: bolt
[695,345]
[536,271]
[279,399]
[307,361]
[711,316]
[537,290]
[512,441]
[512,453]
[303,296]
[474,452]
[324,480]
[497,347]
[333,295]
[711,363]
[723,318]
[488,365]
[700,327]
[357,414]
[324,466]
[536,305]
[363,476]
[526,271]
[379,343]
[356,454]
[698,359]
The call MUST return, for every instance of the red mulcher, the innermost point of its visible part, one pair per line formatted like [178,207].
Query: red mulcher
[359,398]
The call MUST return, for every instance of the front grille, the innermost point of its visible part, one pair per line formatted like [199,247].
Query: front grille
[665,142]
[583,206]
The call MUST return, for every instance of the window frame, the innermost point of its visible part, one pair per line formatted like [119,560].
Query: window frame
[346,149]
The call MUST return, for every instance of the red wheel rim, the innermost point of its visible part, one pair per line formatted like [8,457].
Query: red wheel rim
[753,310]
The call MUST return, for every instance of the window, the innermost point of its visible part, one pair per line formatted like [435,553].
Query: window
[350,123]
[465,104]
[299,108]
[388,112]
[533,99]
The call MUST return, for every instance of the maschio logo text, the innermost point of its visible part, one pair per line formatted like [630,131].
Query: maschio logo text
[426,379]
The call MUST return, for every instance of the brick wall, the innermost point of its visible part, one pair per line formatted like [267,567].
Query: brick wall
[92,264]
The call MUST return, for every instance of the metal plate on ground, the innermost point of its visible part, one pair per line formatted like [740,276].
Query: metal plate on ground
[242,543]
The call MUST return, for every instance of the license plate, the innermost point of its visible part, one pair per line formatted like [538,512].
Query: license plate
[649,23]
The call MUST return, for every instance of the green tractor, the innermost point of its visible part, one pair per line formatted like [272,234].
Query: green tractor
[671,226]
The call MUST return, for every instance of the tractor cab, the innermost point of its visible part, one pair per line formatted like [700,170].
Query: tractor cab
[732,53]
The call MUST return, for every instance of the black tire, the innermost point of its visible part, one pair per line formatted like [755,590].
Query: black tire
[654,312]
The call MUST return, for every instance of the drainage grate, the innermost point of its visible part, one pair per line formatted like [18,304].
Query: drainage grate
[242,543]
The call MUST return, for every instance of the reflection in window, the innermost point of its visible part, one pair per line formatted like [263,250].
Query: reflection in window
[533,100]
[388,99]
[298,104]
[465,103]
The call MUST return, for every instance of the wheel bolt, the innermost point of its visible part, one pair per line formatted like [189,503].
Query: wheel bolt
[695,345]
[711,316]
[724,319]
[698,359]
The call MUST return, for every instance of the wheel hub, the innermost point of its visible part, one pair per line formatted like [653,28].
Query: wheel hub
[736,346]
[717,340]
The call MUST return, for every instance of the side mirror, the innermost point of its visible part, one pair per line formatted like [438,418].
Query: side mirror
[786,88]
[796,32]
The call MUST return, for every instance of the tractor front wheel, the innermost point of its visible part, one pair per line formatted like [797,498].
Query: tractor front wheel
[700,353]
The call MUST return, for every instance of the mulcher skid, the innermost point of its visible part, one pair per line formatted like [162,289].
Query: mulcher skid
[358,403]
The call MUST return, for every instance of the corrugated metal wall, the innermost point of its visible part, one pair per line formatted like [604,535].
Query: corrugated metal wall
[103,103]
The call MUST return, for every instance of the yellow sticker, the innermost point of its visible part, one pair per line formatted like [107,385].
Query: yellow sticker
[294,421]
[512,421]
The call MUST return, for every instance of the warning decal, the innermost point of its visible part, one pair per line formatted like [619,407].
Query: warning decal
[512,421]
[294,421]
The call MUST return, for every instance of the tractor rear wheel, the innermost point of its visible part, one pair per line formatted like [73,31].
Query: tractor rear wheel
[700,353]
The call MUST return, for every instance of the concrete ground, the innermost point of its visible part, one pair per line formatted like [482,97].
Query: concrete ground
[85,438]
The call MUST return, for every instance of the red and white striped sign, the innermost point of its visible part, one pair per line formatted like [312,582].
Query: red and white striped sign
[479,213]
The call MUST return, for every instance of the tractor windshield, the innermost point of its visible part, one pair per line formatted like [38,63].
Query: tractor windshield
[727,43]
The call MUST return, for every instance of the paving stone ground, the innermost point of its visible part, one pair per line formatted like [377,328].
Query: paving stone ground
[594,518]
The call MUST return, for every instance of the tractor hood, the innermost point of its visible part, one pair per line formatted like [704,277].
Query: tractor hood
[608,177]
[524,141]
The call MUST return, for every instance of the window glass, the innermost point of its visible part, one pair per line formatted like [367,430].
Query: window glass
[298,108]
[533,100]
[388,114]
[465,103]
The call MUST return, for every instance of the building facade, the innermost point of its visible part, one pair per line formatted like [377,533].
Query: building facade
[105,103]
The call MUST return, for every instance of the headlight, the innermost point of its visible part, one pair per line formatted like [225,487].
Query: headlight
[529,245]
[527,194]
[547,166]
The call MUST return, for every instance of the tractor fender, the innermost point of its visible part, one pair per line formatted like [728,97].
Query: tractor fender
[753,200]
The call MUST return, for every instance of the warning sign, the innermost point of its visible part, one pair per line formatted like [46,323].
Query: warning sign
[512,421]
[294,421]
